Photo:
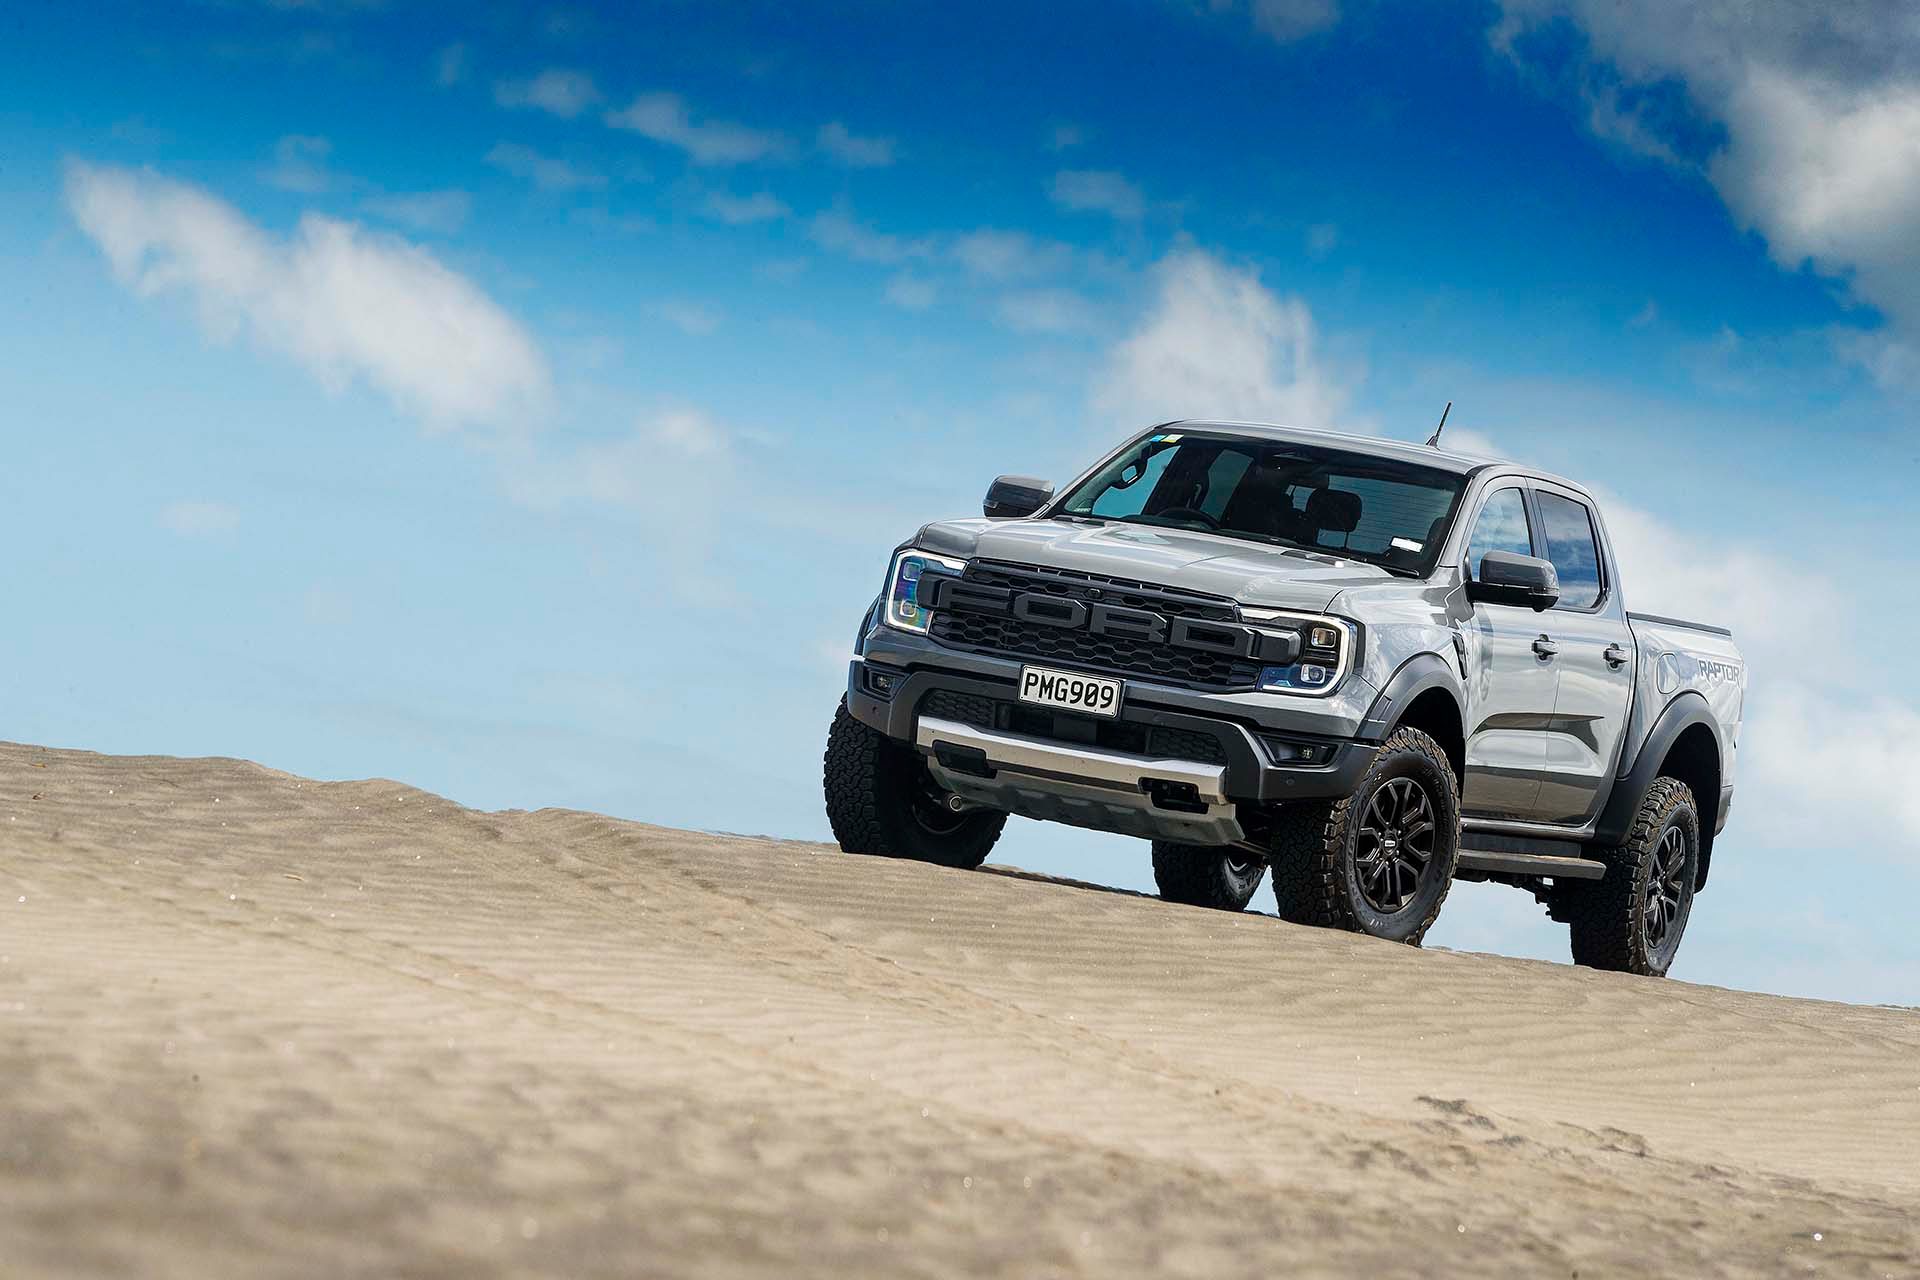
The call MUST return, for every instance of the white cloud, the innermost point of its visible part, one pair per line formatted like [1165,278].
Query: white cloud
[450,65]
[782,270]
[549,173]
[678,472]
[556,90]
[1219,344]
[300,165]
[1818,106]
[343,302]
[910,293]
[1064,136]
[837,230]
[694,318]
[1099,191]
[1045,311]
[853,151]
[739,211]
[1009,255]
[198,519]
[665,118]
[1322,239]
[1285,20]
[441,211]
[1843,767]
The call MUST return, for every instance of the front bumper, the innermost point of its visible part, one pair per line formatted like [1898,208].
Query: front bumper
[1059,778]
[1085,786]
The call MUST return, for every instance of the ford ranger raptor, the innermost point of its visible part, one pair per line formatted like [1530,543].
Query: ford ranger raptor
[1369,668]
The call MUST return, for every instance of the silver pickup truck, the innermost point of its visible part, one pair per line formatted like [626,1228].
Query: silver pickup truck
[1373,668]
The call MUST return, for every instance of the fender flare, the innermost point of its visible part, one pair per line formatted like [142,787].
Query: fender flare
[1630,785]
[1416,675]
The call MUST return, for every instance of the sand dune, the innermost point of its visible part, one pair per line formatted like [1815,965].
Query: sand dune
[253,1024]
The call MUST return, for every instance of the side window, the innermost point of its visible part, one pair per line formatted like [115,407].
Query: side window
[1568,529]
[1502,526]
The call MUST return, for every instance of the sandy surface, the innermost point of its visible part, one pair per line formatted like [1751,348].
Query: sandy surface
[252,1024]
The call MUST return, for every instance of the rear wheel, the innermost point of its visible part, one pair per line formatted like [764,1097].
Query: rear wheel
[1379,862]
[881,799]
[1219,876]
[1631,919]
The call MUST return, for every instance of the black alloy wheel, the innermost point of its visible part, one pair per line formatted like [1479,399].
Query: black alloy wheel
[1669,878]
[1396,844]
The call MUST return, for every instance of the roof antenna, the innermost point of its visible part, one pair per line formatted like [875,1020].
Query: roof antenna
[1433,441]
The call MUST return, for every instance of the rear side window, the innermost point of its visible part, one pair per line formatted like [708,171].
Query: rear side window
[1502,526]
[1567,527]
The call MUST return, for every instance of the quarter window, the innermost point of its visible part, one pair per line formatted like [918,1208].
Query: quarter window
[1567,527]
[1502,526]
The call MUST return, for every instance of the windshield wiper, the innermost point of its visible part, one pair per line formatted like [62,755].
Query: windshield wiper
[1079,517]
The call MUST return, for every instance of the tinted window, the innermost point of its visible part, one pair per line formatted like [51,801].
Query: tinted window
[1568,531]
[1222,476]
[1502,526]
[1352,505]
[1132,487]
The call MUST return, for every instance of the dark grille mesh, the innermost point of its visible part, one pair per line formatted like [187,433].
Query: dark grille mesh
[1186,744]
[989,633]
[967,708]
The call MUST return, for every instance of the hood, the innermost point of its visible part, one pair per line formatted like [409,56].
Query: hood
[1253,574]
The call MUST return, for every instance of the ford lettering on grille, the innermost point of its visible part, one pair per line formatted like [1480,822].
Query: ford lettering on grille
[1039,608]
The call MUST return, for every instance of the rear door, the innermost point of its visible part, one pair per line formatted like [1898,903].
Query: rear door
[1594,653]
[1510,687]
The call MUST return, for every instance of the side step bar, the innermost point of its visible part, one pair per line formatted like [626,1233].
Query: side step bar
[1531,864]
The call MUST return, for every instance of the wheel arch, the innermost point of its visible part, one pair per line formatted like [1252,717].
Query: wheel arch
[1423,694]
[1684,743]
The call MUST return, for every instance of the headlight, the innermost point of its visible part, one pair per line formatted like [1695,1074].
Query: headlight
[903,583]
[1326,651]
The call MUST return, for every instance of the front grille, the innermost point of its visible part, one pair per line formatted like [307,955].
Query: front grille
[1168,664]
[1158,741]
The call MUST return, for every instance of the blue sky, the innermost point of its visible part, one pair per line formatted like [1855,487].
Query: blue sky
[522,402]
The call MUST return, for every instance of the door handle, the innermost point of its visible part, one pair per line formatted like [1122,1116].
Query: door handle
[1545,647]
[1616,656]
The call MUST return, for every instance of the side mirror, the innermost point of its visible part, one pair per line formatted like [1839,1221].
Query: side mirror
[1011,496]
[1506,578]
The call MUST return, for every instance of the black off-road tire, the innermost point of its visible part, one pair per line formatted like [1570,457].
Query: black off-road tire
[1607,918]
[1317,856]
[879,797]
[1199,875]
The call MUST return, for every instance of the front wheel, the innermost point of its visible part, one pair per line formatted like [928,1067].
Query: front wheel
[1379,862]
[1219,876]
[882,800]
[1631,919]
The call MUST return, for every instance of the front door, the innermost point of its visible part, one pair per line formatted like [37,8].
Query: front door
[1594,653]
[1510,684]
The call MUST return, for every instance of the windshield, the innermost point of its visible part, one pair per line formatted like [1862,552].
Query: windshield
[1385,512]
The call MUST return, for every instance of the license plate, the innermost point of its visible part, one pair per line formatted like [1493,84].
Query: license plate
[1070,691]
